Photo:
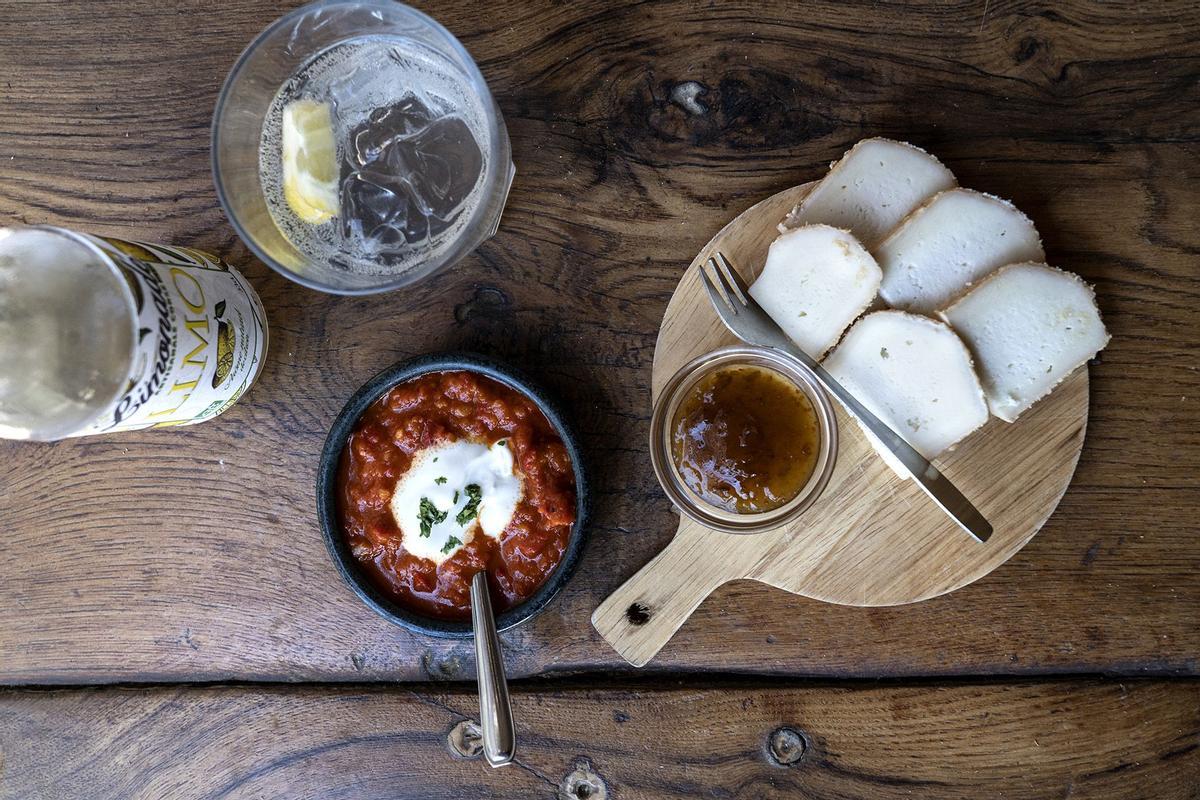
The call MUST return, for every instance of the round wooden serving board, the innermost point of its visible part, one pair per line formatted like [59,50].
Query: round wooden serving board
[872,539]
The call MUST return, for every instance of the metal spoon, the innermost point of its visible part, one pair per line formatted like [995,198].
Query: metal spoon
[495,712]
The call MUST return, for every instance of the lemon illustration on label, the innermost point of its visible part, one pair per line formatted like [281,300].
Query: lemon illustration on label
[226,342]
[310,179]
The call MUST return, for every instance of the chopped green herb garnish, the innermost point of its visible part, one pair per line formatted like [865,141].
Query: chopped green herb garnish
[440,480]
[455,500]
[471,510]
[435,458]
[428,515]
[451,543]
[503,442]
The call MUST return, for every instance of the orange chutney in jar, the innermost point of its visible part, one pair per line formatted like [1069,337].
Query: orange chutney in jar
[745,439]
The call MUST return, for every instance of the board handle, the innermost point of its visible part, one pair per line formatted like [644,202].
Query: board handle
[645,612]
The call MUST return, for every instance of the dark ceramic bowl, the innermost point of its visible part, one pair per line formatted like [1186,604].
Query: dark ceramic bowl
[327,510]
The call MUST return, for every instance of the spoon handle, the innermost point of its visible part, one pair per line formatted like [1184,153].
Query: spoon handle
[495,712]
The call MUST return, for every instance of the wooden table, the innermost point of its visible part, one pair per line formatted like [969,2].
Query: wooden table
[171,626]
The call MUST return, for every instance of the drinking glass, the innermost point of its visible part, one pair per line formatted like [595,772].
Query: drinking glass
[275,57]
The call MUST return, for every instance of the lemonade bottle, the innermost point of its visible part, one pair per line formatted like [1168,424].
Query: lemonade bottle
[101,335]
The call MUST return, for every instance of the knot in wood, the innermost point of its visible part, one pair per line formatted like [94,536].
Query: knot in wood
[786,746]
[487,302]
[583,783]
[444,666]
[464,739]
[687,95]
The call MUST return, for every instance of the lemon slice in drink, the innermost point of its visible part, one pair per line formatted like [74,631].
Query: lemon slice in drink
[310,184]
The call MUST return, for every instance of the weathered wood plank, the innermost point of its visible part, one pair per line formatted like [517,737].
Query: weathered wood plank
[194,554]
[1028,740]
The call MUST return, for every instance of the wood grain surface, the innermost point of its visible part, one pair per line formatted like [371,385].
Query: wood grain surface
[638,130]
[1022,741]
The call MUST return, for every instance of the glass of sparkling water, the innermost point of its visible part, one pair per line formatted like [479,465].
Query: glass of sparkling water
[356,147]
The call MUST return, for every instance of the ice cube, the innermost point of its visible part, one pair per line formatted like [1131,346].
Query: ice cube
[447,163]
[374,210]
[408,174]
[385,126]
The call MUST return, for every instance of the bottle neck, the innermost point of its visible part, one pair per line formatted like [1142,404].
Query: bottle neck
[67,333]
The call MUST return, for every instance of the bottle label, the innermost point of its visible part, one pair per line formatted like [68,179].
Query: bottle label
[201,337]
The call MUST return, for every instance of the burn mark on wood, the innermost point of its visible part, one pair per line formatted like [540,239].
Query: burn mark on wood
[637,614]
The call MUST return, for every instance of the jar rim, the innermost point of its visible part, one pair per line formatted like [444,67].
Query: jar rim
[694,506]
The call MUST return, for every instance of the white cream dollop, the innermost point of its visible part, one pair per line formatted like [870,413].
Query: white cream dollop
[441,474]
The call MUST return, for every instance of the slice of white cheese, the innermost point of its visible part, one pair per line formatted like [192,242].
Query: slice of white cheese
[817,279]
[875,185]
[445,478]
[916,375]
[946,245]
[1029,326]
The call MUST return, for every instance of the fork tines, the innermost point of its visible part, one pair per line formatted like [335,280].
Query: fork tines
[729,288]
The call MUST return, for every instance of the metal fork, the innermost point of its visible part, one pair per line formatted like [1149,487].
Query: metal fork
[745,318]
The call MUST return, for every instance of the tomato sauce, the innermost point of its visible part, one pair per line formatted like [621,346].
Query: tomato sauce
[433,409]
